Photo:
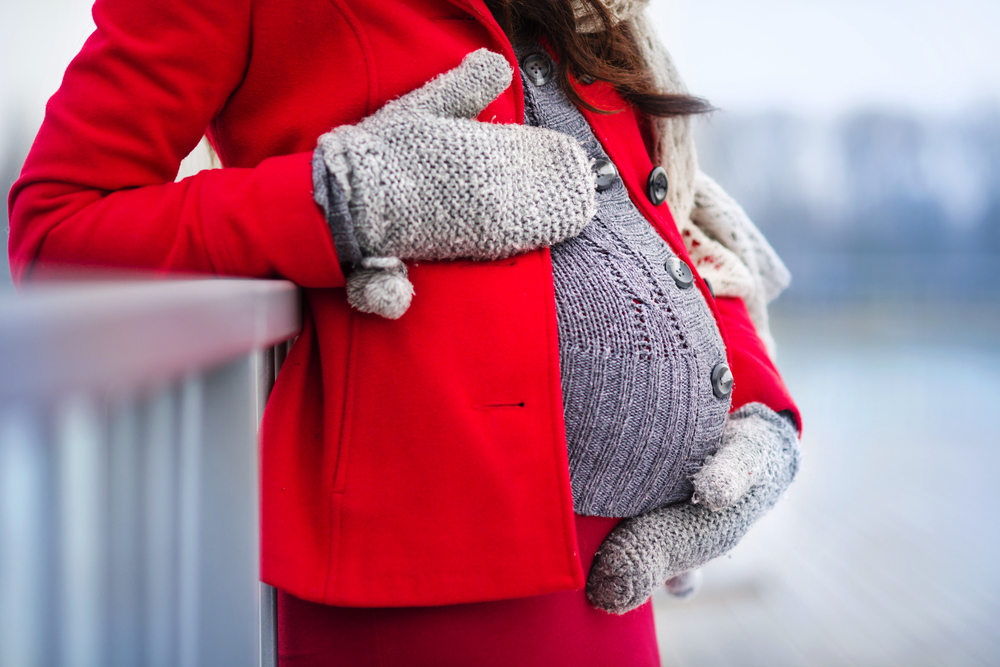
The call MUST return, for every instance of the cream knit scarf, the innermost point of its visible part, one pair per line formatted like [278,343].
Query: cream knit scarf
[723,243]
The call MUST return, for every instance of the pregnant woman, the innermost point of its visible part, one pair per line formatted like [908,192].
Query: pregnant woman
[516,406]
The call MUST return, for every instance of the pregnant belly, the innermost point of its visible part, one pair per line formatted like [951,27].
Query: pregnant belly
[637,352]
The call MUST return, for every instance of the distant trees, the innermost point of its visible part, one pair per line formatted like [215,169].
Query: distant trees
[874,188]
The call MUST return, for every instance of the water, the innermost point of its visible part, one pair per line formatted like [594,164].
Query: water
[886,550]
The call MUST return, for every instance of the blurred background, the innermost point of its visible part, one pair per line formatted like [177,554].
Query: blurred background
[863,137]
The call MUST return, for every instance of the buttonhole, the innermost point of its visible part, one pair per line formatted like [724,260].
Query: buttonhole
[500,405]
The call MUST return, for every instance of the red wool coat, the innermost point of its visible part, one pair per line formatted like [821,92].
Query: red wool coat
[412,462]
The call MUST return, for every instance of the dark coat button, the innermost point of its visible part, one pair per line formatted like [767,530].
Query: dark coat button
[606,174]
[656,186]
[708,284]
[680,272]
[538,68]
[586,79]
[722,381]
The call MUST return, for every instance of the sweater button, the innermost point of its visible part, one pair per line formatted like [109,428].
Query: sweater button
[708,284]
[680,272]
[606,174]
[538,68]
[722,381]
[656,186]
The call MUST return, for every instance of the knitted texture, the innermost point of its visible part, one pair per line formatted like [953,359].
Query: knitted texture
[621,10]
[756,275]
[728,475]
[642,553]
[330,196]
[380,285]
[636,351]
[725,245]
[425,181]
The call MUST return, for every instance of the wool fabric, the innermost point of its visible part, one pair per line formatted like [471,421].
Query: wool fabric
[642,553]
[385,445]
[726,246]
[424,180]
[620,10]
[543,630]
[331,198]
[636,351]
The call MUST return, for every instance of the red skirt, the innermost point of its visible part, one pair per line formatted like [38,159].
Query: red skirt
[550,630]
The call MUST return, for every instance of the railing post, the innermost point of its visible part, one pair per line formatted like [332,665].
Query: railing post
[159,493]
[191,482]
[126,516]
[269,363]
[81,463]
[24,510]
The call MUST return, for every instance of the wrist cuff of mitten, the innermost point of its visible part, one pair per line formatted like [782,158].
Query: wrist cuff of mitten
[783,422]
[331,197]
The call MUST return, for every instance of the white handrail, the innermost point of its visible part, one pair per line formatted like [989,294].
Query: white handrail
[112,336]
[128,471]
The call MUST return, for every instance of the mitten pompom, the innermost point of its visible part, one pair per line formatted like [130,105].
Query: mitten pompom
[380,286]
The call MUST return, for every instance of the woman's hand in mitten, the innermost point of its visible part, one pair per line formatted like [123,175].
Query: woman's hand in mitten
[423,180]
[755,463]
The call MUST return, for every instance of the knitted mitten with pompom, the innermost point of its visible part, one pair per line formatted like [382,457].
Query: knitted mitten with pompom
[423,180]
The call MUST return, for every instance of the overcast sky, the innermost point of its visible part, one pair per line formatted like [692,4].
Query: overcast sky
[812,56]
[827,56]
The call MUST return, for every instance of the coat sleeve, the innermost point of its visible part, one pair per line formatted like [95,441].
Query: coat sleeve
[97,187]
[756,378]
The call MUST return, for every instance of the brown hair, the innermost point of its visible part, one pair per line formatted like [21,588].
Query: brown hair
[609,53]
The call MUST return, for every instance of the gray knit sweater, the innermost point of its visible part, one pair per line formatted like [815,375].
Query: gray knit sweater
[636,350]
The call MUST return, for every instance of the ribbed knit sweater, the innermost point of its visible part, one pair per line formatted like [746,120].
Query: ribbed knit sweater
[636,350]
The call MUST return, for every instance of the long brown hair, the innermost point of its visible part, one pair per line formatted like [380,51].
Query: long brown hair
[609,52]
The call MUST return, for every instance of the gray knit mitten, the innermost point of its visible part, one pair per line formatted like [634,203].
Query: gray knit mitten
[757,460]
[423,180]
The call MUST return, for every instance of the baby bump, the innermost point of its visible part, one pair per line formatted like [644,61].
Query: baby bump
[637,350]
[636,347]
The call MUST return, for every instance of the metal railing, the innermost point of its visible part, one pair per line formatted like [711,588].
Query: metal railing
[128,471]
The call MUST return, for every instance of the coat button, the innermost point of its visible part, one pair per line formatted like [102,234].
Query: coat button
[538,68]
[680,272]
[606,174]
[722,381]
[656,186]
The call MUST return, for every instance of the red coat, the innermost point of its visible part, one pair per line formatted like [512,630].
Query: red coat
[412,462]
